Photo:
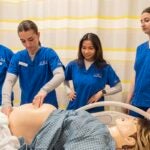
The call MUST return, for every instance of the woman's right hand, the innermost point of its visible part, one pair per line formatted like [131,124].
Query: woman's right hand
[71,95]
[6,110]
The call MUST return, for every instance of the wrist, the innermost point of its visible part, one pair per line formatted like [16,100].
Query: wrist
[7,105]
[43,91]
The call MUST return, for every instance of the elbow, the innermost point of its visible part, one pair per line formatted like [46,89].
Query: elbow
[63,78]
[119,87]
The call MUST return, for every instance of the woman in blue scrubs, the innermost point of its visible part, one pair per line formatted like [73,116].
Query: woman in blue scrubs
[139,94]
[39,70]
[90,73]
[5,57]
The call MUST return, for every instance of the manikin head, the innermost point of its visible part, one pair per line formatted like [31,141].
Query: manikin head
[131,134]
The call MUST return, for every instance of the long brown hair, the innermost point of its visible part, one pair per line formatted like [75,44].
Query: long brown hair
[99,61]
[146,10]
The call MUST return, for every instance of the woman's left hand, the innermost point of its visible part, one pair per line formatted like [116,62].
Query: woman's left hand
[39,98]
[95,97]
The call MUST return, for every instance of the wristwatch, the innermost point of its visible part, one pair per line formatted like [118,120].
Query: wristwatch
[104,92]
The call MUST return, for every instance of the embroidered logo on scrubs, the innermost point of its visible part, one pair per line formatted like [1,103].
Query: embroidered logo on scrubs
[59,64]
[23,64]
[42,63]
[97,75]
[2,60]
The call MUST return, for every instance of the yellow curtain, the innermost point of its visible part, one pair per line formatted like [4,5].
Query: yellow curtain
[62,23]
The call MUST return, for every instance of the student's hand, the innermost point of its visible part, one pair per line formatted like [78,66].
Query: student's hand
[95,97]
[39,98]
[72,95]
[6,110]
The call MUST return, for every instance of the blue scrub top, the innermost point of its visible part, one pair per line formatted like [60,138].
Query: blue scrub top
[33,75]
[88,82]
[141,96]
[5,57]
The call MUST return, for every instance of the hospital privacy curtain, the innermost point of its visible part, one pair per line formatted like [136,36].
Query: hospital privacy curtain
[62,23]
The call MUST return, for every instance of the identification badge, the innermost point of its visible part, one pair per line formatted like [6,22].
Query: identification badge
[23,64]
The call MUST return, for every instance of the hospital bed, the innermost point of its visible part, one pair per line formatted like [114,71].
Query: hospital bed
[109,117]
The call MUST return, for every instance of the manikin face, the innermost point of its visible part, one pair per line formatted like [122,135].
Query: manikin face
[126,126]
[88,50]
[145,23]
[30,40]
[123,130]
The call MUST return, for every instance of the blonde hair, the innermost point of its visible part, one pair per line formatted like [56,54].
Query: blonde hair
[143,135]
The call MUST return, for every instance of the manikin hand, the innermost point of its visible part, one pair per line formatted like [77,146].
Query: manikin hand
[95,97]
[39,98]
[7,110]
[72,95]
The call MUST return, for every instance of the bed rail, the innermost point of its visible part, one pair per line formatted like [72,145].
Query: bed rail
[109,117]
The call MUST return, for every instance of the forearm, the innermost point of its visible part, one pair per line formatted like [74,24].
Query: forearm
[130,93]
[57,79]
[9,82]
[131,89]
[67,86]
[113,90]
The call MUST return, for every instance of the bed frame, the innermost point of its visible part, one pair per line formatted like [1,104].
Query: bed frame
[109,117]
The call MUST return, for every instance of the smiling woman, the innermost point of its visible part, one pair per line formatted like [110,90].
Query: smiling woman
[90,73]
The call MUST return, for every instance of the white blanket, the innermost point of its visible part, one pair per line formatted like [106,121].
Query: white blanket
[7,141]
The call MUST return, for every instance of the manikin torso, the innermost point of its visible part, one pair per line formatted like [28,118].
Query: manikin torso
[26,120]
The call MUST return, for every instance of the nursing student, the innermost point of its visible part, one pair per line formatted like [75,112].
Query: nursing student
[139,94]
[5,57]
[38,68]
[90,73]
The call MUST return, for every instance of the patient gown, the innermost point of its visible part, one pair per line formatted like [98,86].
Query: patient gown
[71,130]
